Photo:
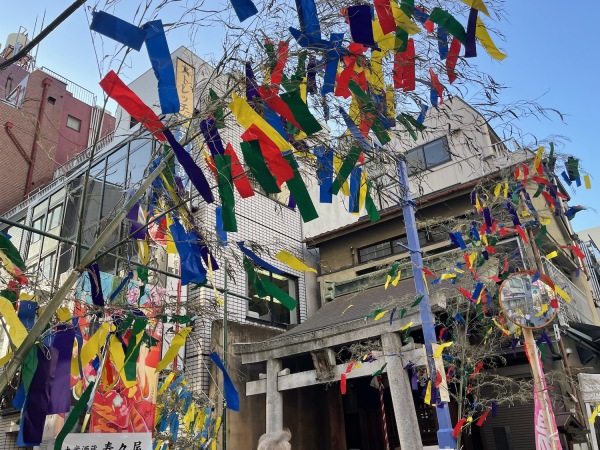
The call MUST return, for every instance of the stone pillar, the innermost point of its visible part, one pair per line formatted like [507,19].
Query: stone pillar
[402,397]
[274,397]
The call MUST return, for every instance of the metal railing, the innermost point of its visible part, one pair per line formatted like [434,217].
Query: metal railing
[82,157]
[577,310]
[79,92]
[34,196]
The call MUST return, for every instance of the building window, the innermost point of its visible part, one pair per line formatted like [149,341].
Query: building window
[375,251]
[73,123]
[51,100]
[54,217]
[133,122]
[47,267]
[392,246]
[428,156]
[38,224]
[270,309]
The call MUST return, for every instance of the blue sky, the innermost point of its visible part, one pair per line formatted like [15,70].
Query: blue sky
[553,57]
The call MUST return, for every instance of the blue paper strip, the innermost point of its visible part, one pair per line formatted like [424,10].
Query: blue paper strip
[221,233]
[96,285]
[231,394]
[118,30]
[442,38]
[258,260]
[356,133]
[423,113]
[354,199]
[309,20]
[160,57]
[244,9]
[212,137]
[361,25]
[332,65]
[192,270]
[324,173]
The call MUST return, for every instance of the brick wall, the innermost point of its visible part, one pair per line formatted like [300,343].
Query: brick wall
[13,166]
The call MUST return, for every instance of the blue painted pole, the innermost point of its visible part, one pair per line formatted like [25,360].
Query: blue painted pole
[444,433]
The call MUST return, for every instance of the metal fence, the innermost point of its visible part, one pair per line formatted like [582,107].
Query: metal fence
[79,92]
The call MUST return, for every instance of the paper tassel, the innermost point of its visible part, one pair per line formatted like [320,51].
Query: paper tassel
[287,258]
[118,30]
[486,41]
[231,394]
[244,9]
[160,57]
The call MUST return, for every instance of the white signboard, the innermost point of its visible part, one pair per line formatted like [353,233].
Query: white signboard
[108,441]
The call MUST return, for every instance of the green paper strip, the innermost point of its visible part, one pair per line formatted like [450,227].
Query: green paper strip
[408,7]
[225,186]
[417,301]
[279,294]
[446,20]
[9,295]
[301,112]
[372,211]
[394,269]
[169,172]
[406,124]
[74,416]
[133,348]
[258,167]
[346,169]
[402,37]
[403,313]
[540,189]
[254,279]
[29,367]
[368,105]
[142,273]
[380,371]
[300,193]
[11,252]
[218,112]
[417,125]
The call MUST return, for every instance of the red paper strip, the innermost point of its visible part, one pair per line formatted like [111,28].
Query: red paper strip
[540,180]
[438,378]
[577,251]
[458,427]
[548,198]
[278,166]
[525,173]
[452,59]
[435,83]
[441,333]
[428,272]
[282,51]
[404,68]
[466,293]
[343,383]
[240,179]
[130,102]
[482,418]
[385,16]
[522,233]
[495,279]
[269,95]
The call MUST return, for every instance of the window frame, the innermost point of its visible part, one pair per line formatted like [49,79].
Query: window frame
[293,314]
[77,121]
[51,216]
[35,237]
[422,150]
[41,270]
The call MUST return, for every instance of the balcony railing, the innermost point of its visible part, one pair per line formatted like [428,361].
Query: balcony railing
[578,309]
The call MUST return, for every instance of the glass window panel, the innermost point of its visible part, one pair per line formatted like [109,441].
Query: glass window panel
[46,268]
[40,208]
[415,161]
[375,251]
[436,153]
[138,162]
[115,168]
[38,224]
[55,198]
[54,218]
[272,310]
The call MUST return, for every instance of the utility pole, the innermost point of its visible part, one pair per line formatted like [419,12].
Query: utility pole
[224,426]
[444,433]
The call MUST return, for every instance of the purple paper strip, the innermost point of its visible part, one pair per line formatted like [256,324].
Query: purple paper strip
[38,398]
[211,135]
[470,46]
[251,85]
[311,75]
[96,285]
[194,172]
[60,394]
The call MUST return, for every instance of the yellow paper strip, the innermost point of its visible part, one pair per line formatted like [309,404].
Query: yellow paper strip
[397,279]
[381,314]
[6,358]
[91,348]
[552,255]
[403,21]
[406,327]
[247,117]
[337,164]
[448,276]
[543,310]
[176,344]
[16,331]
[506,189]
[478,5]
[587,182]
[538,157]
[441,348]
[287,258]
[497,190]
[427,398]
[566,297]
[594,414]
[387,281]
[504,330]
[211,277]
[482,34]
[63,314]
[166,383]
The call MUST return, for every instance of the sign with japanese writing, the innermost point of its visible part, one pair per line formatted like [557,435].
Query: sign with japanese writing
[108,441]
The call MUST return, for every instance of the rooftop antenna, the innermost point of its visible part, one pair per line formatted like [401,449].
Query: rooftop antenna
[37,47]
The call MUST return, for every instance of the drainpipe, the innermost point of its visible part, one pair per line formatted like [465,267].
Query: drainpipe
[38,126]
[8,127]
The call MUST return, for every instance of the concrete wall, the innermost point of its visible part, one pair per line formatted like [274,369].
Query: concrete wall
[16,73]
